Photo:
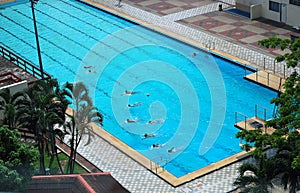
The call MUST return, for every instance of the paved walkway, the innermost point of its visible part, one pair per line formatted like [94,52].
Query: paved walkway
[138,179]
[199,21]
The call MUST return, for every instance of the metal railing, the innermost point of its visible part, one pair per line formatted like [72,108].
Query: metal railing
[158,163]
[276,68]
[269,81]
[263,113]
[239,117]
[277,80]
[210,45]
[21,63]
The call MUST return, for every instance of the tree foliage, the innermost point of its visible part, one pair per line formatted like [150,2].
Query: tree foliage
[16,161]
[78,123]
[286,138]
[41,109]
[9,107]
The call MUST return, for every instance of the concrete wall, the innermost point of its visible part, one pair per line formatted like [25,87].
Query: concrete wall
[19,86]
[266,13]
[245,5]
[251,6]
[293,14]
[255,11]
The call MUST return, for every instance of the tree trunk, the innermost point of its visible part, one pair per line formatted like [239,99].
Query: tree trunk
[42,154]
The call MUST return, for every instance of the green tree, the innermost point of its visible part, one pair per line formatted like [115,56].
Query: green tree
[78,123]
[16,161]
[9,105]
[259,177]
[41,110]
[286,138]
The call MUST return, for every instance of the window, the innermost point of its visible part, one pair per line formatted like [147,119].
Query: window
[295,2]
[273,6]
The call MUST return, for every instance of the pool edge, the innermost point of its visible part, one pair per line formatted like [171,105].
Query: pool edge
[170,34]
[136,156]
[164,175]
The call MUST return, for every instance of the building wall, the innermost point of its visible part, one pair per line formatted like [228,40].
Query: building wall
[245,5]
[16,87]
[292,10]
[255,11]
[266,13]
[293,15]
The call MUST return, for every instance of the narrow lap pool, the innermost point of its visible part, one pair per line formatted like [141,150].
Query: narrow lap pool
[186,100]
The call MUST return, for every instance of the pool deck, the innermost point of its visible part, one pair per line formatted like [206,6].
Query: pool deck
[201,24]
[268,80]
[246,125]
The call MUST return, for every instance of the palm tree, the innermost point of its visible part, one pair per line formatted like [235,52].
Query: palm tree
[257,177]
[9,105]
[288,151]
[41,110]
[79,121]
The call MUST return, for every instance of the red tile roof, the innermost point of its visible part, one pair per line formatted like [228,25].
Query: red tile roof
[75,183]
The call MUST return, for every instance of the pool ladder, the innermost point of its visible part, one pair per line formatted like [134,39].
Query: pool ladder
[157,164]
[210,45]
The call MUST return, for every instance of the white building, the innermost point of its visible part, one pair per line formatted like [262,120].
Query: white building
[285,11]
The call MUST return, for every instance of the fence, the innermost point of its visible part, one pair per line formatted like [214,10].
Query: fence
[263,113]
[25,65]
[270,79]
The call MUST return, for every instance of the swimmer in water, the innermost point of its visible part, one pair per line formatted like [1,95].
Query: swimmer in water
[135,104]
[131,120]
[173,149]
[156,146]
[128,92]
[88,67]
[91,71]
[146,135]
[157,121]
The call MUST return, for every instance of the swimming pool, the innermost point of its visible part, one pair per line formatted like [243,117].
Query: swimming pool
[192,98]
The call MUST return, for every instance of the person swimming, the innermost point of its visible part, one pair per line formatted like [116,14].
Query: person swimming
[91,71]
[135,104]
[157,121]
[88,66]
[131,120]
[128,92]
[173,149]
[156,145]
[147,135]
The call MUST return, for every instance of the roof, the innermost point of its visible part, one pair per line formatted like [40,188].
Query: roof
[75,183]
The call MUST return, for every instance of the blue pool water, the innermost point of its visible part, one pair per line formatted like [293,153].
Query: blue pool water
[192,99]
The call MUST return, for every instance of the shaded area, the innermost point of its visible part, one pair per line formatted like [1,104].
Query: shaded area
[239,12]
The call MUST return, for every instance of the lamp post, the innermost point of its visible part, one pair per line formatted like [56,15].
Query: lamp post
[33,2]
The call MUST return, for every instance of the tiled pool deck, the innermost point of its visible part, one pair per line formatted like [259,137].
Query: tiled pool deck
[199,23]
